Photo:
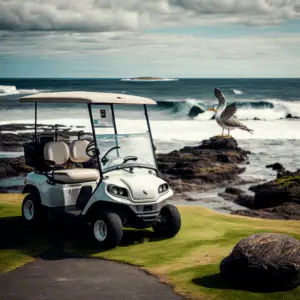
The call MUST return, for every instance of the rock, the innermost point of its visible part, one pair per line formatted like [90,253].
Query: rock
[231,193]
[227,196]
[244,200]
[234,191]
[212,163]
[285,211]
[12,141]
[13,167]
[277,192]
[195,111]
[6,170]
[265,261]
[218,143]
[276,167]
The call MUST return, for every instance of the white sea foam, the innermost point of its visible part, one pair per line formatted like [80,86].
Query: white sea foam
[238,92]
[6,90]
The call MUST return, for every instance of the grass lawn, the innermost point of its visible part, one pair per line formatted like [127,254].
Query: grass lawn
[189,262]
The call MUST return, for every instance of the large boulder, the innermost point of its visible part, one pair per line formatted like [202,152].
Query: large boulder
[265,261]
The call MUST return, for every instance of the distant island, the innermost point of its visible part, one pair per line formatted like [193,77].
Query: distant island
[148,79]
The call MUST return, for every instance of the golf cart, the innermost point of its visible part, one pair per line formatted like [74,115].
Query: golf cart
[122,189]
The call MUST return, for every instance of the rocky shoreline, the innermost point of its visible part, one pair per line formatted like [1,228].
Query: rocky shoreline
[276,199]
[213,163]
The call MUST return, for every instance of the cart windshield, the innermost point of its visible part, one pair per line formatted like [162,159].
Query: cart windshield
[123,137]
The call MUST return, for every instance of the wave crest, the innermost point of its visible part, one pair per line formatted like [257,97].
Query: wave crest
[6,90]
[238,92]
[267,110]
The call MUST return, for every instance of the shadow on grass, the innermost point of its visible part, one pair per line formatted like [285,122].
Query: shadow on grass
[215,281]
[47,240]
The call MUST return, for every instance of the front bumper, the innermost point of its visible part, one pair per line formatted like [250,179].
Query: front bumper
[145,214]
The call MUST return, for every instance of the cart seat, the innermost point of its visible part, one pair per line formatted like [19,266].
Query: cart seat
[59,152]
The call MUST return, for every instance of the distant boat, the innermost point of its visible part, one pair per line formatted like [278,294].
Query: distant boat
[149,79]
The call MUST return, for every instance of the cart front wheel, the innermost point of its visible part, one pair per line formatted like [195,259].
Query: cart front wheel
[107,229]
[168,223]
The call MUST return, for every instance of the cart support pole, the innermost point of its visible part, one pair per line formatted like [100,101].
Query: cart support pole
[95,139]
[150,133]
[35,121]
[115,127]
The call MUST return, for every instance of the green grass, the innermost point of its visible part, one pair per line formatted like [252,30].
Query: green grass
[189,262]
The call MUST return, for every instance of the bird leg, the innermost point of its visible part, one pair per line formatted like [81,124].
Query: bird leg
[221,135]
[229,136]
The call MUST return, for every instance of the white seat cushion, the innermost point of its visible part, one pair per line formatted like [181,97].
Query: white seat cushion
[78,151]
[57,151]
[76,175]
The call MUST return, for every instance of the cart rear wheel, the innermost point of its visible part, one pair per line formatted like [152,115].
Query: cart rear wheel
[31,208]
[169,221]
[107,229]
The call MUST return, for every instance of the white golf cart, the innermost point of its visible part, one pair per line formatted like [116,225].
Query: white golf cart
[124,190]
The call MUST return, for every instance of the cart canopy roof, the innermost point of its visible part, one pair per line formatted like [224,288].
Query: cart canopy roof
[86,97]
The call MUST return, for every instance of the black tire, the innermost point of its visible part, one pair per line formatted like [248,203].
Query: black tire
[170,223]
[114,229]
[36,215]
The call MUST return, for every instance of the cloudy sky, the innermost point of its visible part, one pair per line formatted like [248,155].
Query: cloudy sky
[170,38]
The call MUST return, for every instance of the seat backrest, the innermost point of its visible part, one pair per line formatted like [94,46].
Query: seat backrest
[78,151]
[57,151]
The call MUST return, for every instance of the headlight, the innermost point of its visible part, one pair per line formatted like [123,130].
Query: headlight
[163,188]
[117,191]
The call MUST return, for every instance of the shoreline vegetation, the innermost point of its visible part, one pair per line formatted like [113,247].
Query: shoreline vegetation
[213,163]
[189,262]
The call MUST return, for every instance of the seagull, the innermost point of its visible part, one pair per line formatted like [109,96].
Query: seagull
[225,115]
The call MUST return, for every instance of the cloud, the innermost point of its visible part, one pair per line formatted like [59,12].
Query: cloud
[135,15]
[153,48]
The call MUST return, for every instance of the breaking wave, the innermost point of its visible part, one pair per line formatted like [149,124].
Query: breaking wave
[267,110]
[6,90]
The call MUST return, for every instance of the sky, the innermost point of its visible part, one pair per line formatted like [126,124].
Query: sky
[165,38]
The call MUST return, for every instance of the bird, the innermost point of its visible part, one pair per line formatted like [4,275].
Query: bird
[225,115]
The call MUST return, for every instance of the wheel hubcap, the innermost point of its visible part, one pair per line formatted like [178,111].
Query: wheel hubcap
[28,210]
[100,230]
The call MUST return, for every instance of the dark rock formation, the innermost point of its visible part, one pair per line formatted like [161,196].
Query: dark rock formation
[13,167]
[12,141]
[231,193]
[195,111]
[276,167]
[266,261]
[212,163]
[285,211]
[244,200]
[276,199]
[277,192]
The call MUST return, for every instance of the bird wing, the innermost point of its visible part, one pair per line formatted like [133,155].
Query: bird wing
[229,111]
[234,122]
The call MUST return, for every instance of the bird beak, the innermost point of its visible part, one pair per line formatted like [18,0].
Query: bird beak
[212,109]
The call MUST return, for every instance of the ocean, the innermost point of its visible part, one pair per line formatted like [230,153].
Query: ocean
[268,106]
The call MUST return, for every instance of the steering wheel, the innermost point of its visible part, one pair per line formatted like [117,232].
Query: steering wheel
[91,150]
[127,158]
[104,160]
